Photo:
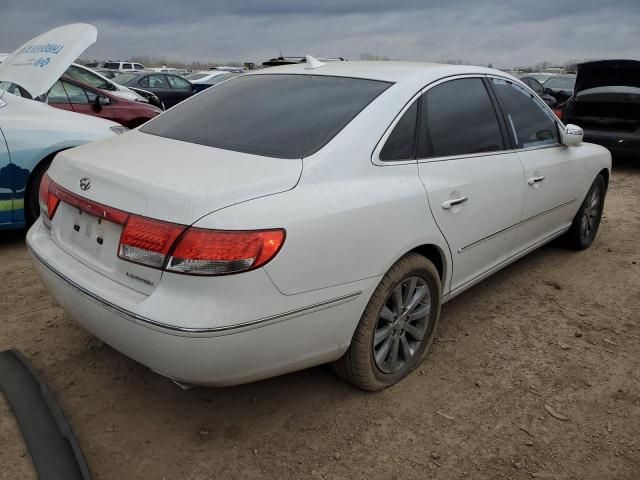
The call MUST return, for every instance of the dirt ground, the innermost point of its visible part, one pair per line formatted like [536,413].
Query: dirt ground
[556,334]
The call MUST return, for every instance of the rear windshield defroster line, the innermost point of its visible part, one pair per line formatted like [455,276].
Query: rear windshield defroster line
[273,115]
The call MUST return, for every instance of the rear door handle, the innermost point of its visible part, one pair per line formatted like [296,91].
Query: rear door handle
[453,202]
[537,179]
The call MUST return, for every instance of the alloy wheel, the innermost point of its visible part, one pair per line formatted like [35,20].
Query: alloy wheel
[402,324]
[590,214]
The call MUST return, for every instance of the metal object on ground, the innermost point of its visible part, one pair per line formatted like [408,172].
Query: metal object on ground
[54,449]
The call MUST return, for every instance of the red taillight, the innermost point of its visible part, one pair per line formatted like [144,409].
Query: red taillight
[48,200]
[214,252]
[171,246]
[559,112]
[148,241]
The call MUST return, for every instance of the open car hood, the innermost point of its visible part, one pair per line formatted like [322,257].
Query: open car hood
[608,73]
[40,62]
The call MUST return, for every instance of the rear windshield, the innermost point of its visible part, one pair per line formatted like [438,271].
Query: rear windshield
[566,83]
[283,116]
[124,78]
[197,76]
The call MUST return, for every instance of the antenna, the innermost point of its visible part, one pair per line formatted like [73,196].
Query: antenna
[313,63]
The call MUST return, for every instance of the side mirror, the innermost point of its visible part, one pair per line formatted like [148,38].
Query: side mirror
[100,102]
[572,136]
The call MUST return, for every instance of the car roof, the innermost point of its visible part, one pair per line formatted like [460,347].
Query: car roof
[388,71]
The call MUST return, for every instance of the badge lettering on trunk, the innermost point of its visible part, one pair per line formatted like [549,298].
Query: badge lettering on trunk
[85,183]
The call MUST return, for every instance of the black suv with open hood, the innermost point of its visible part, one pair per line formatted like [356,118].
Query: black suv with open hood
[606,104]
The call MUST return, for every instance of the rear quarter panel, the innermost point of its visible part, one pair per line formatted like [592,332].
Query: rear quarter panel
[347,219]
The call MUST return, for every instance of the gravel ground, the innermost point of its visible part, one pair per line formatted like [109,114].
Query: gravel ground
[535,374]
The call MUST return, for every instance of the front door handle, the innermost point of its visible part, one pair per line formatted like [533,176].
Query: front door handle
[534,180]
[453,202]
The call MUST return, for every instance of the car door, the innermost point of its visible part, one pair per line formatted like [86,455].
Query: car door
[474,182]
[552,171]
[83,101]
[182,88]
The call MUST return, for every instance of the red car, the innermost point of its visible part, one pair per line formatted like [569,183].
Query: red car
[70,94]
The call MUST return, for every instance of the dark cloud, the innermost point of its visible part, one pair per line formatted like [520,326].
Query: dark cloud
[499,31]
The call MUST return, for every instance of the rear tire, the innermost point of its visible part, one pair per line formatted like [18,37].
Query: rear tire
[585,224]
[31,201]
[401,318]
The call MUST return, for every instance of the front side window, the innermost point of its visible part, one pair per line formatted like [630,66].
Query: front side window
[458,118]
[291,116]
[529,123]
[138,66]
[178,83]
[75,93]
[57,94]
[399,145]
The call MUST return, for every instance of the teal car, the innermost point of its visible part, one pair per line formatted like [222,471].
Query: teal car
[32,132]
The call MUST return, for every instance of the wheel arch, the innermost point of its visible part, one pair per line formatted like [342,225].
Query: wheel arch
[606,175]
[436,255]
[28,187]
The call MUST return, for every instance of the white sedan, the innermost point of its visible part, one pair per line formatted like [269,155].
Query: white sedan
[310,213]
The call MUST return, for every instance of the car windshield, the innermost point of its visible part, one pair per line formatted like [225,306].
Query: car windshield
[87,76]
[197,76]
[282,116]
[566,83]
[124,78]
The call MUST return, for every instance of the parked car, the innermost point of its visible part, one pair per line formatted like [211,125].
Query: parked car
[95,79]
[537,87]
[560,87]
[71,95]
[203,80]
[170,89]
[281,60]
[116,65]
[606,103]
[328,225]
[110,74]
[31,132]
[541,76]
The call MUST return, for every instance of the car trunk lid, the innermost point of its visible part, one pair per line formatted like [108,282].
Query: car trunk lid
[607,96]
[157,178]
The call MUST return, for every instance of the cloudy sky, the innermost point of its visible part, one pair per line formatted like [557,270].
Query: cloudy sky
[503,32]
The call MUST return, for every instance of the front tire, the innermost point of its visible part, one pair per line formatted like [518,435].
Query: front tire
[585,224]
[397,326]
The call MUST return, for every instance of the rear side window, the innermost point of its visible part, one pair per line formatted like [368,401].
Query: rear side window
[283,116]
[127,66]
[529,122]
[112,65]
[458,118]
[399,145]
[178,83]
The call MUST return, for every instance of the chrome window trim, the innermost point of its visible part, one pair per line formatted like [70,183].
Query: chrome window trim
[193,331]
[375,156]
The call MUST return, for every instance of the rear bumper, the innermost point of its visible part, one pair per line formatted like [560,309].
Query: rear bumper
[225,353]
[616,142]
